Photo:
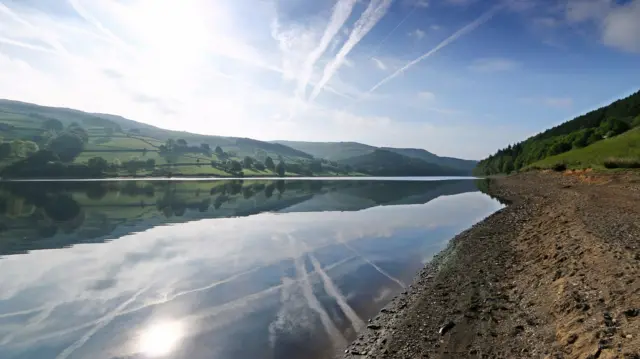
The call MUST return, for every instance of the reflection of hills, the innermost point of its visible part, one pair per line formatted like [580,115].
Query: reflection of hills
[55,215]
[382,193]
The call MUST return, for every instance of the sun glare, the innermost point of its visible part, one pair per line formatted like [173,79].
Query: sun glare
[160,338]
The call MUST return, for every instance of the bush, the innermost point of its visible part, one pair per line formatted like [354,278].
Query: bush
[622,163]
[559,167]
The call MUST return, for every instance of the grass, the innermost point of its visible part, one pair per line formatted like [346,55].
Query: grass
[622,151]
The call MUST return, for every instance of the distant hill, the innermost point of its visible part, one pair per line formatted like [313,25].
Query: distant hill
[581,132]
[332,151]
[388,163]
[344,151]
[455,163]
[103,145]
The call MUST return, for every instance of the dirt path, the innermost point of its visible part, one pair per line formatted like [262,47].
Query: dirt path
[554,275]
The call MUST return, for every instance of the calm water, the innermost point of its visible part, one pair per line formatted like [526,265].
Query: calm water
[203,269]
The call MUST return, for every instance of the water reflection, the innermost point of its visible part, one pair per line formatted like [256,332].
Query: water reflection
[252,269]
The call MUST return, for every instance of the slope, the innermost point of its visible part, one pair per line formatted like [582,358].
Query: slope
[387,163]
[455,163]
[332,151]
[618,151]
[26,118]
[585,130]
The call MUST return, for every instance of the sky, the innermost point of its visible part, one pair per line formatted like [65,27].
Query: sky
[459,78]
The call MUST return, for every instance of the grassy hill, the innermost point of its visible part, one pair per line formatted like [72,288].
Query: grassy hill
[40,141]
[450,162]
[351,152]
[621,151]
[332,151]
[388,163]
[582,132]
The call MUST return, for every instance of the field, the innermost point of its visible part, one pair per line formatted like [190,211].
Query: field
[600,155]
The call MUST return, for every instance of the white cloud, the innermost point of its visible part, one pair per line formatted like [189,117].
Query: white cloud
[622,27]
[617,24]
[379,64]
[418,34]
[435,27]
[426,96]
[493,65]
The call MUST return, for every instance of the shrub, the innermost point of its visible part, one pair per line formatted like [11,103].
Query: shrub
[559,167]
[622,163]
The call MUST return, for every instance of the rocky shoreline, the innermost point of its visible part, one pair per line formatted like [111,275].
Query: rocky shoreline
[556,274]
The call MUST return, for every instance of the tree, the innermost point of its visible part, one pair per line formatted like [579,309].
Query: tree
[613,127]
[67,146]
[98,164]
[29,147]
[219,152]
[259,166]
[205,147]
[268,162]
[247,162]
[235,166]
[53,125]
[5,150]
[17,148]
[181,142]
[170,144]
[116,163]
[150,164]
[77,130]
[636,122]
[280,169]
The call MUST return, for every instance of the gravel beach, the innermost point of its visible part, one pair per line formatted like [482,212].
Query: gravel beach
[555,274]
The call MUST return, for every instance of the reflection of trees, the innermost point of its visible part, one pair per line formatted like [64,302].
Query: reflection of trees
[97,190]
[268,190]
[61,208]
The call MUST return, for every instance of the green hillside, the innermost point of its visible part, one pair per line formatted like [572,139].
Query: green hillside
[388,163]
[455,163]
[344,152]
[39,141]
[621,151]
[582,132]
[332,151]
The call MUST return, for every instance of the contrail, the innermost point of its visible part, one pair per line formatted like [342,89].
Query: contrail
[101,324]
[397,281]
[330,287]
[312,300]
[22,312]
[27,46]
[369,18]
[42,34]
[44,314]
[473,25]
[209,312]
[341,13]
[384,39]
[88,17]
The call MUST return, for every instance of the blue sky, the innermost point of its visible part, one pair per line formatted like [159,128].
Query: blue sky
[456,77]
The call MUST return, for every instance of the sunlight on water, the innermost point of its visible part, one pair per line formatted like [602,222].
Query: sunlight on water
[161,338]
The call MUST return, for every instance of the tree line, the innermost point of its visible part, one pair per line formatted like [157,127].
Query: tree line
[605,122]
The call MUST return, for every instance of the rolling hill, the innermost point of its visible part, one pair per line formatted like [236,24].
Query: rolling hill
[603,124]
[621,151]
[382,162]
[345,152]
[120,146]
